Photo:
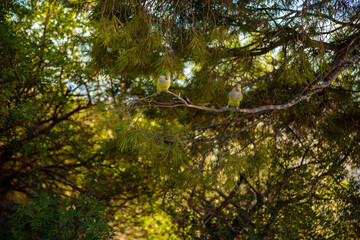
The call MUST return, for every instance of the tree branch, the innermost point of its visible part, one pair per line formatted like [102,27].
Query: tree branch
[332,74]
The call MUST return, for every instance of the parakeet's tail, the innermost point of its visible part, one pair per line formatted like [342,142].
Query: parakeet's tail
[231,115]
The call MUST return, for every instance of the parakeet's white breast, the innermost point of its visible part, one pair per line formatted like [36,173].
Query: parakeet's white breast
[235,97]
[163,82]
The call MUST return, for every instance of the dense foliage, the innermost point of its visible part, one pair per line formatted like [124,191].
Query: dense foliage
[44,87]
[78,114]
[50,217]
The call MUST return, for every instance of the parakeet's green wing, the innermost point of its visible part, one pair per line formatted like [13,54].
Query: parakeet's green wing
[155,84]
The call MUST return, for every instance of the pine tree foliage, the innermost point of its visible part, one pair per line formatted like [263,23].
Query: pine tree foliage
[46,139]
[277,172]
[50,217]
[78,114]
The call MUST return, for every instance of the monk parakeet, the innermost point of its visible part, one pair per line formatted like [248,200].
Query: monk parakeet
[163,81]
[235,97]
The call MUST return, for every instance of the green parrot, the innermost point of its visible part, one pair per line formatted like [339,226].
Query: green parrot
[234,98]
[163,81]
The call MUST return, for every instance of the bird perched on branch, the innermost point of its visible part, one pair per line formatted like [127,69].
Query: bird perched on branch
[163,81]
[235,97]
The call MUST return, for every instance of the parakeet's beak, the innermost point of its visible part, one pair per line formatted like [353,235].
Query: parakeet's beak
[167,77]
[238,89]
